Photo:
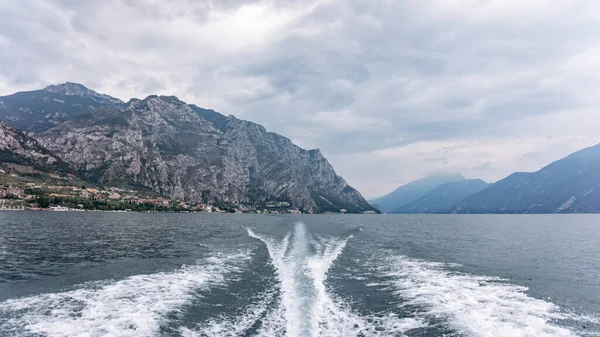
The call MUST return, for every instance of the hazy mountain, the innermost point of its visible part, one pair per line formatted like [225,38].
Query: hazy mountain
[412,191]
[442,198]
[182,151]
[18,148]
[35,110]
[569,185]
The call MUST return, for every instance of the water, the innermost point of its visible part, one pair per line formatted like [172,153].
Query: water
[129,274]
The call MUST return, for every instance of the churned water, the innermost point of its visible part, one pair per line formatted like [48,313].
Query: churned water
[130,274]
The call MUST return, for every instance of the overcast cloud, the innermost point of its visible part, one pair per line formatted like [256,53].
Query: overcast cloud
[390,91]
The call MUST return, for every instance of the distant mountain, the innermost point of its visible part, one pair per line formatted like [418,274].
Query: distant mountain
[179,150]
[569,185]
[413,191]
[18,148]
[444,197]
[40,109]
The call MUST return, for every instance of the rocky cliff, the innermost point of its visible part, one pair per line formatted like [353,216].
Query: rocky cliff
[18,148]
[185,152]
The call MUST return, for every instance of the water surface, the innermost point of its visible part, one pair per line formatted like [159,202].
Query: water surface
[135,274]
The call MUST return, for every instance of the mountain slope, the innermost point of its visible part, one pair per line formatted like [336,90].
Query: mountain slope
[40,109]
[197,155]
[444,197]
[569,185]
[18,148]
[412,191]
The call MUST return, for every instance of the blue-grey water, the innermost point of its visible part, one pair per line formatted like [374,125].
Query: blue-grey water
[132,274]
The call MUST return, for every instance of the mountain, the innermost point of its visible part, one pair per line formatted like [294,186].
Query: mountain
[179,150]
[412,191]
[442,198]
[40,109]
[18,148]
[569,185]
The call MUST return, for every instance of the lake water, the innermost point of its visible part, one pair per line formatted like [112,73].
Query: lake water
[132,274]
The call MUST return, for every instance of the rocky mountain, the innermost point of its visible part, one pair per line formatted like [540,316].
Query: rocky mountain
[179,150]
[442,198]
[40,109]
[569,185]
[413,191]
[18,148]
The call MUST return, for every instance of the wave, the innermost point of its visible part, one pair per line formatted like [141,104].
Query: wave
[135,306]
[472,305]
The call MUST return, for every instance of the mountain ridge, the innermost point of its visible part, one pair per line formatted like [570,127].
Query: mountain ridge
[45,108]
[181,150]
[568,185]
[413,190]
[442,198]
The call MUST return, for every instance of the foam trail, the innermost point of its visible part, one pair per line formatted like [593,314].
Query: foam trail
[295,286]
[304,292]
[277,253]
[473,305]
[301,274]
[306,307]
[135,306]
[226,326]
[327,252]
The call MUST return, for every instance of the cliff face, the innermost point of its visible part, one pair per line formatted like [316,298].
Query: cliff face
[16,147]
[197,155]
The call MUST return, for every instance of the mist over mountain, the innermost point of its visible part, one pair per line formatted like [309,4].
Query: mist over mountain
[412,191]
[442,198]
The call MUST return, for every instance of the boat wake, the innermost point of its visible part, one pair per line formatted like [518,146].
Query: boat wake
[306,307]
[475,305]
[135,306]
[302,305]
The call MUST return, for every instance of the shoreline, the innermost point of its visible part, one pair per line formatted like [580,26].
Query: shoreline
[187,211]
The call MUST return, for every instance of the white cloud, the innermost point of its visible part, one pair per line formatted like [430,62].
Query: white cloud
[389,90]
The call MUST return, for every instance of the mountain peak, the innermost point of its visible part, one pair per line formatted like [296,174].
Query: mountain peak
[450,175]
[414,190]
[444,197]
[158,103]
[76,89]
[70,89]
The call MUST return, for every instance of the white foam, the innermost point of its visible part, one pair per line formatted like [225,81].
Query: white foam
[287,284]
[327,251]
[135,306]
[306,306]
[473,305]
[227,326]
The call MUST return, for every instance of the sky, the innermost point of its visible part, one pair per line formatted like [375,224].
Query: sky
[390,91]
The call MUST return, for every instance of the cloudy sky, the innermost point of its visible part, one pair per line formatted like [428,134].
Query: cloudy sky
[390,91]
